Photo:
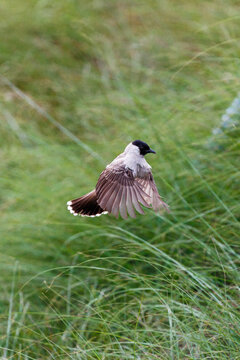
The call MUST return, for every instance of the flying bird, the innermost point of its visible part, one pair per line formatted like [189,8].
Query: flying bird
[125,185]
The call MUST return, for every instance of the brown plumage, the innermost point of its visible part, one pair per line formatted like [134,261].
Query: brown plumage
[117,191]
[86,205]
[125,185]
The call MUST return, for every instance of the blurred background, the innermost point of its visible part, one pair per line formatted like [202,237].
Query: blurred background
[79,80]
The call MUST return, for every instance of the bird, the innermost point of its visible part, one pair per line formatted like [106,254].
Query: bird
[123,187]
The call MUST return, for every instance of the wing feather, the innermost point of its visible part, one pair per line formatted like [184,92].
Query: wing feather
[135,201]
[106,194]
[116,204]
[122,205]
[118,191]
[154,199]
[129,202]
[112,198]
[102,186]
[142,196]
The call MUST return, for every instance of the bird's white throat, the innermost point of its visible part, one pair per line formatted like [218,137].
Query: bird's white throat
[134,160]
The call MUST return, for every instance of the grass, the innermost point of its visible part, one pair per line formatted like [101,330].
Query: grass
[79,80]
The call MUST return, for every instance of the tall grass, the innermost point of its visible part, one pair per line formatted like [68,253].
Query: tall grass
[79,80]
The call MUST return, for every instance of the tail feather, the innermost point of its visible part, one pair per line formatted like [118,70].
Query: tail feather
[86,205]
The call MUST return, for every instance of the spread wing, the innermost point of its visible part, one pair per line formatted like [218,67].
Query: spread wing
[148,185]
[118,191]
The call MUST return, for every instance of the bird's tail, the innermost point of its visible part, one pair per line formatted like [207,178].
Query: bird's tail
[86,206]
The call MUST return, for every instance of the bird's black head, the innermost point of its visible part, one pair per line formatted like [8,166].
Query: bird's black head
[143,147]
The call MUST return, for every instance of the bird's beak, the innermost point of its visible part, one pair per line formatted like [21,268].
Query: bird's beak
[151,151]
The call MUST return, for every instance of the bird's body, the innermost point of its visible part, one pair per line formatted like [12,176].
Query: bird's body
[126,183]
[131,159]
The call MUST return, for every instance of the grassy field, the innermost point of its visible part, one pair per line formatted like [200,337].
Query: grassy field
[79,80]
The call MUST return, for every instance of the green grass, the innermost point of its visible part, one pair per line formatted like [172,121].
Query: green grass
[79,81]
